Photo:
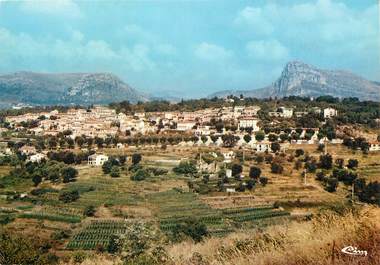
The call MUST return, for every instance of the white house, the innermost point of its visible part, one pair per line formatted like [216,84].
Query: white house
[329,112]
[97,159]
[374,146]
[282,112]
[263,146]
[249,122]
[28,150]
[228,156]
[37,158]
[185,126]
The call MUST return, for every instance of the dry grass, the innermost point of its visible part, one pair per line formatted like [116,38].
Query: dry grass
[297,243]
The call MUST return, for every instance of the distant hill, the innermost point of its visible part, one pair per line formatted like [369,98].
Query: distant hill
[300,79]
[66,88]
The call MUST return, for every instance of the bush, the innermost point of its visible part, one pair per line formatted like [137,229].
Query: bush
[191,228]
[254,172]
[276,168]
[89,210]
[20,249]
[353,163]
[68,196]
[299,152]
[251,184]
[136,158]
[331,184]
[264,181]
[140,175]
[115,172]
[185,167]
[59,235]
[236,170]
[325,161]
[69,174]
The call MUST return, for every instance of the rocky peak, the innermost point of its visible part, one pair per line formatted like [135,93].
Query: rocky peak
[297,73]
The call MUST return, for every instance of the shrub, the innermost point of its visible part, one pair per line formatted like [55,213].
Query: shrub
[136,158]
[59,235]
[325,161]
[353,163]
[236,170]
[331,184]
[276,168]
[20,249]
[251,184]
[299,152]
[140,175]
[275,147]
[69,174]
[264,181]
[185,167]
[254,172]
[192,228]
[89,210]
[68,196]
[115,172]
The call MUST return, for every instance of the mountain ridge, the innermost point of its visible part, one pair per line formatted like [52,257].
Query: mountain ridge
[65,89]
[301,79]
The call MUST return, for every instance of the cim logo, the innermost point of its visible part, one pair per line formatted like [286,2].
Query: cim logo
[350,250]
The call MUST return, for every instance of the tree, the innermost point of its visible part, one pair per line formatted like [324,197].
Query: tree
[331,184]
[99,142]
[37,179]
[353,163]
[229,140]
[251,183]
[339,162]
[276,168]
[275,147]
[69,174]
[284,137]
[260,136]
[247,138]
[254,172]
[236,170]
[115,172]
[263,181]
[136,158]
[79,140]
[107,166]
[299,152]
[325,161]
[272,137]
[311,166]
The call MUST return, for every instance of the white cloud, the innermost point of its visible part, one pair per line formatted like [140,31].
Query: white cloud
[256,19]
[66,8]
[211,52]
[322,20]
[267,50]
[63,55]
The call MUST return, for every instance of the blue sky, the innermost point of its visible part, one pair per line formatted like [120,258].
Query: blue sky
[189,48]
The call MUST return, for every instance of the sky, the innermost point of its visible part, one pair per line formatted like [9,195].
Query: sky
[189,48]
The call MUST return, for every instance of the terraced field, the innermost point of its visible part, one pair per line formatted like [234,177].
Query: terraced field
[174,207]
[97,233]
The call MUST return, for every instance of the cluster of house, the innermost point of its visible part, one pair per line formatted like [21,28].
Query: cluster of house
[101,121]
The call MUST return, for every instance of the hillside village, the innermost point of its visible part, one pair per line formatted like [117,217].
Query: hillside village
[88,175]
